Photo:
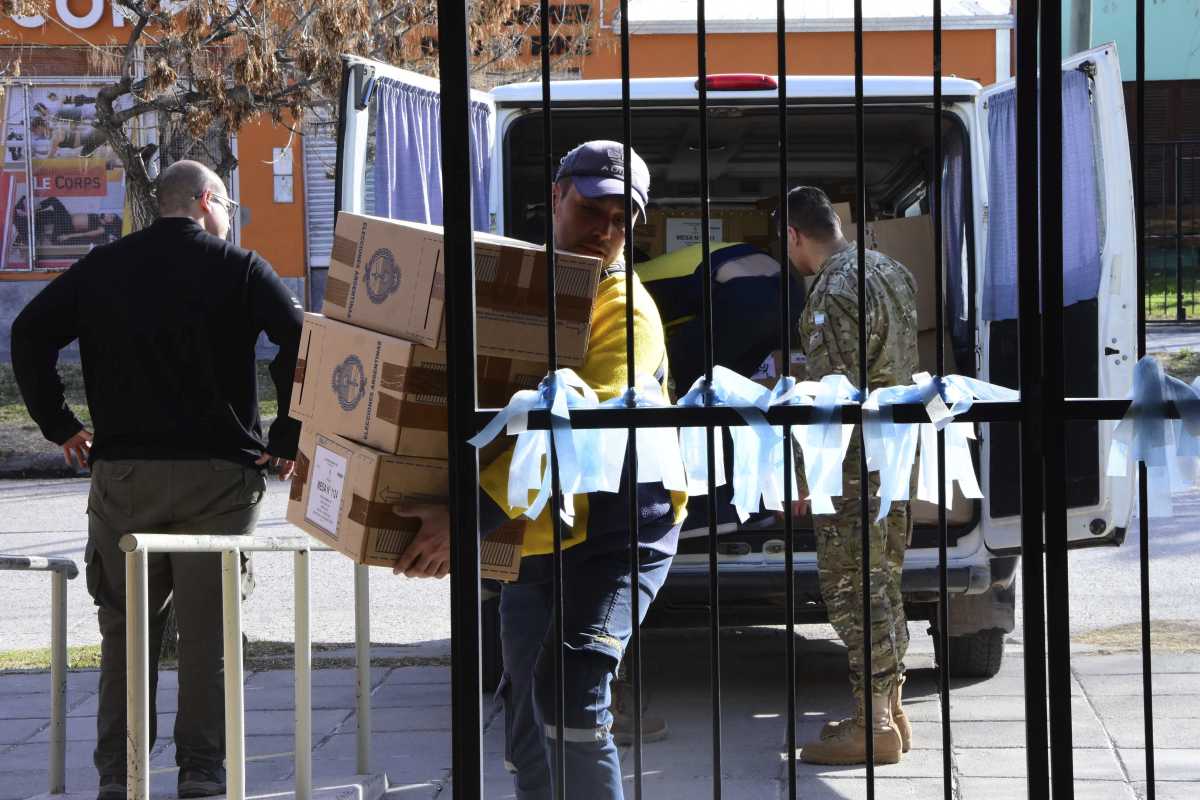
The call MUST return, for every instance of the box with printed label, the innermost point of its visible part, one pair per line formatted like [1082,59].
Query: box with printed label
[387,275]
[344,493]
[385,392]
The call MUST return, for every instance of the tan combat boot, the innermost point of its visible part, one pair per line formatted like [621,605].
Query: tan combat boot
[847,743]
[899,719]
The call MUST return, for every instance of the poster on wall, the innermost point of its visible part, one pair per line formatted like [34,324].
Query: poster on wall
[78,184]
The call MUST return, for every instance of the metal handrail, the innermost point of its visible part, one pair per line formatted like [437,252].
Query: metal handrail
[137,547]
[61,570]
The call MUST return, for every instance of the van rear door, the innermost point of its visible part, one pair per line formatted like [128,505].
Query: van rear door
[1100,313]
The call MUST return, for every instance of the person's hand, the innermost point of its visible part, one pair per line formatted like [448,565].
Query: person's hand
[799,509]
[428,554]
[77,448]
[282,466]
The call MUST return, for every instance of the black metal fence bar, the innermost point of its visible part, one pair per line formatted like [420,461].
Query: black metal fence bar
[465,672]
[1143,515]
[1058,628]
[633,653]
[1028,219]
[714,587]
[1075,408]
[939,327]
[559,755]
[860,205]
[785,350]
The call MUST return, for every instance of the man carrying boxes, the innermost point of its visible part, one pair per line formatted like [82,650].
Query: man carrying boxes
[589,218]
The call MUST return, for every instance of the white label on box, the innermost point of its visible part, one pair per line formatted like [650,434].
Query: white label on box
[325,490]
[685,231]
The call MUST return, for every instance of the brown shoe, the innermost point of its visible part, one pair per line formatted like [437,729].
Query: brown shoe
[654,729]
[847,742]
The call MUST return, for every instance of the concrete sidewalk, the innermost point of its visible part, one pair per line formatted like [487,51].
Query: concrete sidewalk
[412,740]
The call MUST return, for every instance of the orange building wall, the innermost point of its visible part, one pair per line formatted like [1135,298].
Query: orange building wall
[965,53]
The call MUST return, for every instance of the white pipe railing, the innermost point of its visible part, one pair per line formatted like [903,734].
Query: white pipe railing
[61,570]
[137,546]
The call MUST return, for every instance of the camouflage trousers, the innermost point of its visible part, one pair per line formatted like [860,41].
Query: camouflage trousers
[839,562]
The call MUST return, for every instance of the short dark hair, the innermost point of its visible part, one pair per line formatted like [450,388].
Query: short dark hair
[810,212]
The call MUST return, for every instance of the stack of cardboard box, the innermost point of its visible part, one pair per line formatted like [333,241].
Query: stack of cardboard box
[370,382]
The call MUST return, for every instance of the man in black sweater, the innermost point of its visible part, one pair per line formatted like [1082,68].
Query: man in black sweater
[167,320]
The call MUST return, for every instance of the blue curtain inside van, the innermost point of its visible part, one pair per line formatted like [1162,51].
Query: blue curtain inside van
[1081,201]
[408,155]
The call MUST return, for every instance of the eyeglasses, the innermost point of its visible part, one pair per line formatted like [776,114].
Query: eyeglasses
[230,204]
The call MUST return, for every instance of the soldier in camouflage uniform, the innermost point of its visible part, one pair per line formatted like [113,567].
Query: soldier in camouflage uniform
[829,331]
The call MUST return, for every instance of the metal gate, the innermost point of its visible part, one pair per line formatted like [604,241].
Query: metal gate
[1172,198]
[1042,413]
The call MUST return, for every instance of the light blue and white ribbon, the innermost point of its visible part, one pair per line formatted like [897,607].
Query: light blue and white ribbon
[658,453]
[580,462]
[825,440]
[755,476]
[891,447]
[589,460]
[1169,448]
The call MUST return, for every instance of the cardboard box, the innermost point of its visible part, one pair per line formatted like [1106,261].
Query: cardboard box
[387,276]
[909,240]
[385,392]
[343,494]
[670,228]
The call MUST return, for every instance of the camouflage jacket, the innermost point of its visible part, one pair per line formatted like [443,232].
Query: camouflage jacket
[829,325]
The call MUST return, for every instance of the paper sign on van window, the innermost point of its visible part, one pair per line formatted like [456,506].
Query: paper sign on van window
[326,482]
[685,231]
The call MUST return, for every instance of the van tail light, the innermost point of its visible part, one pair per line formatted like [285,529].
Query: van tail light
[739,82]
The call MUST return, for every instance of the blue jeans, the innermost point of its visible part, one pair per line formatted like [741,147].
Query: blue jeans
[597,603]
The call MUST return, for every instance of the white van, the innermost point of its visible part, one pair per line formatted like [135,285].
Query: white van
[984,536]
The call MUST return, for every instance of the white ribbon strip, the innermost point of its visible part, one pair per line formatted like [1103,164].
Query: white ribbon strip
[891,447]
[1169,448]
[756,472]
[825,440]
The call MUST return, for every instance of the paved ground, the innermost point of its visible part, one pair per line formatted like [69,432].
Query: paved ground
[411,742]
[1169,337]
[48,518]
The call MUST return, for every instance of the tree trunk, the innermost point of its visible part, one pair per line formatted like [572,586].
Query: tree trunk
[142,203]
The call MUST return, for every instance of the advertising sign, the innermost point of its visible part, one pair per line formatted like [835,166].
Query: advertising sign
[78,184]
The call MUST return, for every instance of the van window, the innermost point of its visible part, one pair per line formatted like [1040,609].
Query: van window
[744,183]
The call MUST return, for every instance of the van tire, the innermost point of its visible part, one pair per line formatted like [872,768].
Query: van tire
[489,635]
[978,655]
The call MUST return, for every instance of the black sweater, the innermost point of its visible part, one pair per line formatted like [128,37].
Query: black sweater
[167,320]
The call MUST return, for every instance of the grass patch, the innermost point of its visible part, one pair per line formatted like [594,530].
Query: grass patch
[14,417]
[83,657]
[1183,364]
[1166,636]
[257,655]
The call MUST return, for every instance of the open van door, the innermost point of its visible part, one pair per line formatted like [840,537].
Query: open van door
[1100,287]
[410,187]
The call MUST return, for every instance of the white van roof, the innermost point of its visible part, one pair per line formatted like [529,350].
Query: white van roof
[684,88]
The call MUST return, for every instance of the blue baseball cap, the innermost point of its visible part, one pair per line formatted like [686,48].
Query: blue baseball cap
[597,169]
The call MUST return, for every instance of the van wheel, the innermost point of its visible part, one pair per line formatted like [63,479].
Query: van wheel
[977,655]
[489,635]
